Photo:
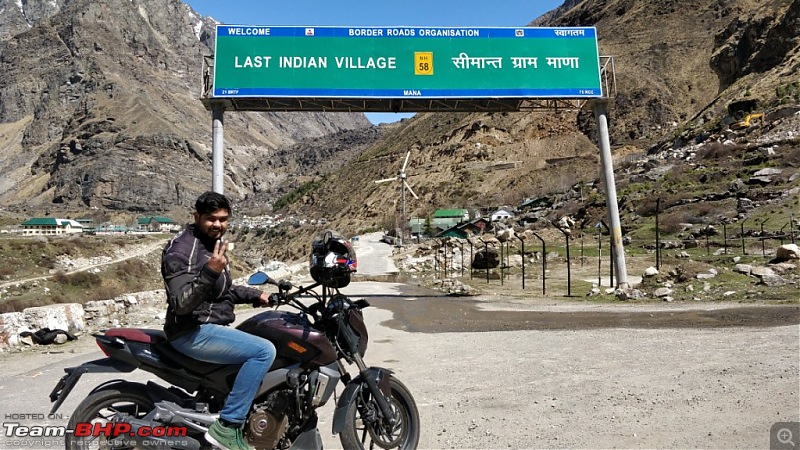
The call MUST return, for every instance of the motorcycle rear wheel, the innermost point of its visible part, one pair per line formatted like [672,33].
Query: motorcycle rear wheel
[360,432]
[100,408]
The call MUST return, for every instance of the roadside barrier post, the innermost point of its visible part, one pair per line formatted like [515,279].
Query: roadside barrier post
[444,267]
[544,263]
[486,257]
[502,266]
[522,254]
[725,237]
[741,236]
[470,259]
[658,236]
[569,265]
[461,246]
[582,257]
[782,233]
[600,253]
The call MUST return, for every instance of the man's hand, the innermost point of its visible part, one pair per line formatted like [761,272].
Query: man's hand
[218,261]
[265,300]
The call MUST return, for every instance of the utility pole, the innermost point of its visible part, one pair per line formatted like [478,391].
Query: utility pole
[403,197]
[601,116]
[217,152]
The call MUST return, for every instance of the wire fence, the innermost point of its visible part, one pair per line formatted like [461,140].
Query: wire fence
[754,237]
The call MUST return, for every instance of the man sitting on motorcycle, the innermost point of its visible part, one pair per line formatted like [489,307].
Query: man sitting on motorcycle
[201,299]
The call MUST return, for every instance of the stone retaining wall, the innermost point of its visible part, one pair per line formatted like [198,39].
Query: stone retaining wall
[142,309]
[74,318]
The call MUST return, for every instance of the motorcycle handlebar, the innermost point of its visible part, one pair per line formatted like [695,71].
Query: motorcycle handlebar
[276,299]
[280,297]
[283,296]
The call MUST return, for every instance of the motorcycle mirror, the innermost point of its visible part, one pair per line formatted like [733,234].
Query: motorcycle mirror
[258,278]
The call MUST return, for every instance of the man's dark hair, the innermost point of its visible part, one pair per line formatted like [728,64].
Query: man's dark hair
[209,202]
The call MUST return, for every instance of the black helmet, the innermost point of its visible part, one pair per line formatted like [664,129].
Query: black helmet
[332,261]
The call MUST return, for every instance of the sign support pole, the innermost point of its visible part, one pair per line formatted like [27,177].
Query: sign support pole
[403,224]
[601,116]
[218,148]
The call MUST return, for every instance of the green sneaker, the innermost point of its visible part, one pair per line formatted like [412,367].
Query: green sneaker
[226,438]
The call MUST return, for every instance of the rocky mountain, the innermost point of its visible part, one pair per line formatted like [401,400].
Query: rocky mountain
[99,108]
[107,116]
[678,60]
[685,72]
[17,16]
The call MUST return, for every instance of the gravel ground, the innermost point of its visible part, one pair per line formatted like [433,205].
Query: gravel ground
[571,387]
[604,387]
[498,374]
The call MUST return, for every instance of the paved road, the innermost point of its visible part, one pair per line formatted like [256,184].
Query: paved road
[374,256]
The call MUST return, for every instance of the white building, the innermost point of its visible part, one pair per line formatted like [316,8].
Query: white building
[501,214]
[50,226]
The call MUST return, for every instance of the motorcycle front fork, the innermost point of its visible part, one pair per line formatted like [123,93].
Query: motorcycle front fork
[374,389]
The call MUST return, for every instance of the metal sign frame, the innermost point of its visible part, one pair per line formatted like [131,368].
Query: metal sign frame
[598,101]
[528,41]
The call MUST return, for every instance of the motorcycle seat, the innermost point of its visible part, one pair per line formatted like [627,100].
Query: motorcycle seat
[169,354]
[144,335]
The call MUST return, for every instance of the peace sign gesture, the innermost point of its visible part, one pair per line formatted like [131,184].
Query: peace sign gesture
[218,260]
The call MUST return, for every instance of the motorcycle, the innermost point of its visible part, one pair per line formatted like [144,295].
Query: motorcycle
[313,345]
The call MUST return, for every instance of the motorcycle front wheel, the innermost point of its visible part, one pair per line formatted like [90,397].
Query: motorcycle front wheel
[99,408]
[365,430]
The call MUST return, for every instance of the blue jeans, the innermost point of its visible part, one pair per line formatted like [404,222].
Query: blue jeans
[225,345]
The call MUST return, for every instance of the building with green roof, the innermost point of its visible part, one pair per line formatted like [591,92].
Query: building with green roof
[461,214]
[50,226]
[444,219]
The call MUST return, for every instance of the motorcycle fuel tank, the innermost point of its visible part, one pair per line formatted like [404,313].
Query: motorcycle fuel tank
[294,338]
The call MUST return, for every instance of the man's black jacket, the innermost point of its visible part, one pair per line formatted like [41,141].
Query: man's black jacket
[197,294]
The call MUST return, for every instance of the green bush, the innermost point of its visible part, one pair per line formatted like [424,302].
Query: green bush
[296,194]
[787,93]
[132,269]
[84,280]
[47,262]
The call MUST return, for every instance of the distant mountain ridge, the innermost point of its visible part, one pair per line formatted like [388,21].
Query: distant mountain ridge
[107,115]
[99,108]
[678,66]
